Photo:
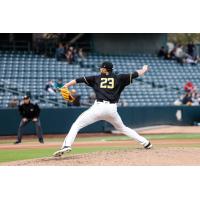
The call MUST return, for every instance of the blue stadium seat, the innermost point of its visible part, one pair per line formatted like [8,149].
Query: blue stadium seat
[31,72]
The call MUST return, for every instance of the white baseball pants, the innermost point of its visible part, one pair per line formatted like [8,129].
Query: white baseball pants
[101,111]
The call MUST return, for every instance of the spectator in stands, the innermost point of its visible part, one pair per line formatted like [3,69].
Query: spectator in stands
[39,46]
[81,54]
[81,57]
[66,48]
[180,54]
[187,99]
[170,47]
[58,84]
[189,87]
[190,60]
[190,98]
[191,49]
[13,102]
[161,52]
[77,97]
[170,53]
[196,59]
[50,87]
[195,98]
[167,56]
[29,112]
[178,101]
[69,55]
[60,52]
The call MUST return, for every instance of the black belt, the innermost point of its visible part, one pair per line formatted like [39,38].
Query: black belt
[106,101]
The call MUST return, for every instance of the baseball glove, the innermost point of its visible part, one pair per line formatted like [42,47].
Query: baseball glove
[66,94]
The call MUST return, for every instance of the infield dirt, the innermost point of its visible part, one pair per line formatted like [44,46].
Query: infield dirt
[184,152]
[165,152]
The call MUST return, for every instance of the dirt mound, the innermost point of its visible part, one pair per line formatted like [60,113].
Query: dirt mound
[159,157]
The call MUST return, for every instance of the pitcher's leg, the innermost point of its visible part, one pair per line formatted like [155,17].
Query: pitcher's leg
[116,121]
[86,118]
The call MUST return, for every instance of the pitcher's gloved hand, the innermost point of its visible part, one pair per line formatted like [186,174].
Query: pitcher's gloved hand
[66,94]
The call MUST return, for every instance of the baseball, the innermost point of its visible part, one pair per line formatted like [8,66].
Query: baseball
[145,67]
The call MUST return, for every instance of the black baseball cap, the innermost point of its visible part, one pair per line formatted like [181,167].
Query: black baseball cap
[107,65]
[26,97]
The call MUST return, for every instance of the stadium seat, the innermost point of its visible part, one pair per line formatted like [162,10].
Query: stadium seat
[30,72]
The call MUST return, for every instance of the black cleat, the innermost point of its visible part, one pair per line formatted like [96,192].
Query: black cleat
[148,146]
[62,151]
[17,142]
[41,141]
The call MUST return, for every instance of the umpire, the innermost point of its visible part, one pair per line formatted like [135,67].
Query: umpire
[29,112]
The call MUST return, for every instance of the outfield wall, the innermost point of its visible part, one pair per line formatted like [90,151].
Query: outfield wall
[59,120]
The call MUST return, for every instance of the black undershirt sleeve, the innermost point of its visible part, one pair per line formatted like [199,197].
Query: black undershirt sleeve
[126,79]
[90,80]
[135,75]
[80,80]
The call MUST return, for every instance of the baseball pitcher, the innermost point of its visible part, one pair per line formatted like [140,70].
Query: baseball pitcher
[107,87]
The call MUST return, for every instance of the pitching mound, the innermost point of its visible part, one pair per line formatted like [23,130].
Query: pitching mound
[135,157]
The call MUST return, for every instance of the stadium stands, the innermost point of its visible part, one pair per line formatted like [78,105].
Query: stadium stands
[23,72]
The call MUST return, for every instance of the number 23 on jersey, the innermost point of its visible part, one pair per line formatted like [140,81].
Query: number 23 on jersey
[107,83]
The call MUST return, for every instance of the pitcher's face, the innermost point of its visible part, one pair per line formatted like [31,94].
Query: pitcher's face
[103,70]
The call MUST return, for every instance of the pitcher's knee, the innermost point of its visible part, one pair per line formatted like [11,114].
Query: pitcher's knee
[76,126]
[122,128]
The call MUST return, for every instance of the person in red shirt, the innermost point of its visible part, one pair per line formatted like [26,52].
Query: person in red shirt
[189,86]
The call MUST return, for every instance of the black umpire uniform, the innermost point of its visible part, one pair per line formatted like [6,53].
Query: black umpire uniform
[29,112]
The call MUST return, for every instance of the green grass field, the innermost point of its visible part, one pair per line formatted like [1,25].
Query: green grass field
[13,155]
[29,153]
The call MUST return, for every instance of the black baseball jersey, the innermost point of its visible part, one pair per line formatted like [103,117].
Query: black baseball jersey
[108,87]
[29,110]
